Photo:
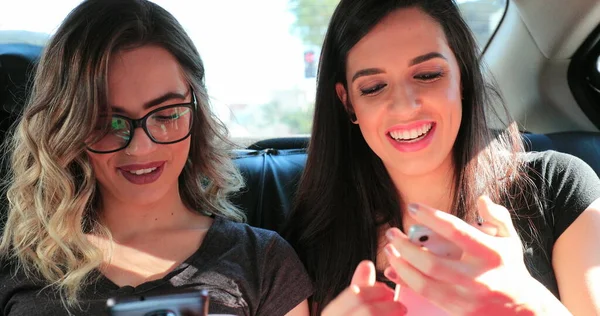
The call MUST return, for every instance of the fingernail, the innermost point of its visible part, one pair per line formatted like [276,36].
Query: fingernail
[390,250]
[489,229]
[413,208]
[390,274]
[391,234]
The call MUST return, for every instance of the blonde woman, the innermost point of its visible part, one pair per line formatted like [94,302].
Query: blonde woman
[119,181]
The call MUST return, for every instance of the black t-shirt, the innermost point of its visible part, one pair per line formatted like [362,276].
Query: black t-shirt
[247,271]
[565,187]
[562,186]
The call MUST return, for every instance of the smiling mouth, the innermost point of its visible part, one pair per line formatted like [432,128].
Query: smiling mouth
[412,135]
[142,171]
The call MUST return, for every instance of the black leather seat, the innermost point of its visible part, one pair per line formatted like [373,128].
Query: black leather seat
[17,62]
[272,174]
[585,145]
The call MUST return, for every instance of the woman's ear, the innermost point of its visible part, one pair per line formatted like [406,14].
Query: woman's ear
[341,93]
[343,96]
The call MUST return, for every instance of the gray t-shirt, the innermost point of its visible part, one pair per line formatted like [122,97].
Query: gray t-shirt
[247,271]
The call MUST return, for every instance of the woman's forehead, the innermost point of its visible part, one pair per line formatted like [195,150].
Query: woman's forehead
[141,75]
[402,35]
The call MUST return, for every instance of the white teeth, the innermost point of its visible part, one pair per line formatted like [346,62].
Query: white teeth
[411,134]
[142,171]
[415,133]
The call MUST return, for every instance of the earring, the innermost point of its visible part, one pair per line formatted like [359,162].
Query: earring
[353,118]
[480,220]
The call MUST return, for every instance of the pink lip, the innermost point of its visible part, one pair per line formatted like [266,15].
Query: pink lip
[143,178]
[407,127]
[416,146]
[148,165]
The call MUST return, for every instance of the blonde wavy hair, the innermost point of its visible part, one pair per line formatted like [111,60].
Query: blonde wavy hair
[52,193]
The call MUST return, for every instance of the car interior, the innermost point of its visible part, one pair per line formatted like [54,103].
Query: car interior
[544,56]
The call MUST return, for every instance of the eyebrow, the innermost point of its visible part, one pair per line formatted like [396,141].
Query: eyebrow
[366,72]
[426,57]
[414,61]
[154,102]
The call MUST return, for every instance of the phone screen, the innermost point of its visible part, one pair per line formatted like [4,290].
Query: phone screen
[173,304]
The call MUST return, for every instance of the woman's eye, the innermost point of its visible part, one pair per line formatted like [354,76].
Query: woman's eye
[373,89]
[166,118]
[430,76]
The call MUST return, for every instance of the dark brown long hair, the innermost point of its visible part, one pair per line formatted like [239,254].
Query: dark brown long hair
[346,194]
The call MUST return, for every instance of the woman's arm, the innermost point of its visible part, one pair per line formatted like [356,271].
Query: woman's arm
[576,262]
[300,310]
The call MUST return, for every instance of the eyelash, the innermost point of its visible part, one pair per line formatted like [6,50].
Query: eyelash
[372,90]
[426,77]
[429,77]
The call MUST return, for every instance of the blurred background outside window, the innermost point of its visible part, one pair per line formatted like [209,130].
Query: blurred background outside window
[261,56]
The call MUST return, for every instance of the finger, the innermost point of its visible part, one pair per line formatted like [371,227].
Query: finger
[488,228]
[444,295]
[355,296]
[365,274]
[497,215]
[465,236]
[429,264]
[377,292]
[387,308]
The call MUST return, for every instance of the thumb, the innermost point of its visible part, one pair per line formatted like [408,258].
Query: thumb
[364,275]
[496,215]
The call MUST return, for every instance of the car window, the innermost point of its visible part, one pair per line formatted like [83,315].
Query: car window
[261,58]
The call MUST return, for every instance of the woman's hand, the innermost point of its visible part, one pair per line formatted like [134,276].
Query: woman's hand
[365,296]
[489,279]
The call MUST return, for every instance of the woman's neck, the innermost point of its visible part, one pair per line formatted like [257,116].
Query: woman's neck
[126,220]
[435,189]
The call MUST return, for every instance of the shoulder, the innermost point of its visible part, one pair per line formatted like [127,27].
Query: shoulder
[256,244]
[559,175]
[9,272]
[567,185]
[242,232]
[261,248]
[556,166]
[557,169]
[554,161]
[12,279]
[275,277]
[13,274]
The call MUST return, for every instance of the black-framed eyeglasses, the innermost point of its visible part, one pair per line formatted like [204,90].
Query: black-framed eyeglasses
[165,125]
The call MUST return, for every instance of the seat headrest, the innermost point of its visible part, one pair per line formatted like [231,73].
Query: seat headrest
[17,64]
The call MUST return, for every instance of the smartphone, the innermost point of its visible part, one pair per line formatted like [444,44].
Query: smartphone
[173,304]
[425,237]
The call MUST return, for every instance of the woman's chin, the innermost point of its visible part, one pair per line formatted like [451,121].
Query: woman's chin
[413,168]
